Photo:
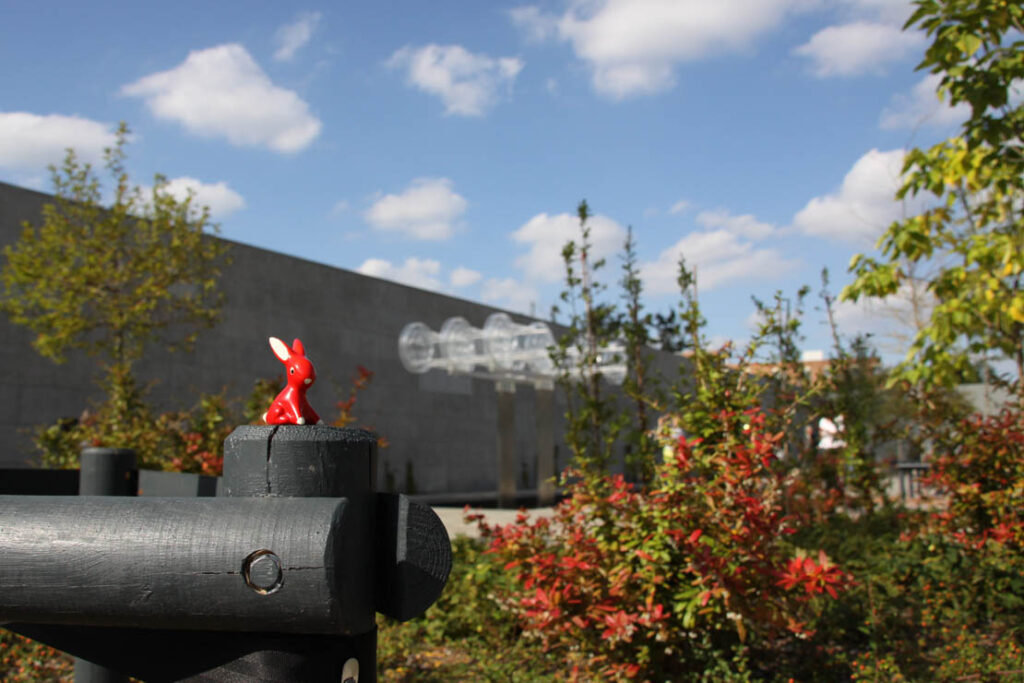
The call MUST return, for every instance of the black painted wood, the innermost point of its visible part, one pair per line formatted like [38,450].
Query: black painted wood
[108,472]
[246,453]
[312,461]
[105,472]
[24,482]
[178,563]
[380,551]
[157,484]
[414,557]
[299,460]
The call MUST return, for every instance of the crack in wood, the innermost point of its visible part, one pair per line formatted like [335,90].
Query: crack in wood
[266,469]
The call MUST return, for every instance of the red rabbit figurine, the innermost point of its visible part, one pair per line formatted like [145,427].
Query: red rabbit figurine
[291,406]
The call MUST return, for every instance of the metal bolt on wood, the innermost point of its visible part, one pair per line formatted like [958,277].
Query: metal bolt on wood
[262,572]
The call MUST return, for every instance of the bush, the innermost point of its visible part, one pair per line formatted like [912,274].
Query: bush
[982,473]
[924,604]
[465,636]
[26,661]
[691,577]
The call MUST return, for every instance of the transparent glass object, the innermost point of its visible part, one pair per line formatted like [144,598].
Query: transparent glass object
[520,349]
[537,341]
[459,345]
[500,341]
[418,348]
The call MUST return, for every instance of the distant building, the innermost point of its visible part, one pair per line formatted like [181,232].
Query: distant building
[985,398]
[814,362]
[441,428]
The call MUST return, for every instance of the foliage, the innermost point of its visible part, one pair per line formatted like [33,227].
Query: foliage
[602,589]
[345,407]
[264,391]
[937,592]
[733,565]
[634,325]
[26,661]
[923,605]
[113,280]
[124,418]
[974,232]
[593,421]
[197,436]
[181,441]
[675,579]
[787,386]
[853,386]
[982,475]
[666,328]
[464,636]
[715,382]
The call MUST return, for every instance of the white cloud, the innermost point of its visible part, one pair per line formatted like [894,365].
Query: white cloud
[464,277]
[469,84]
[422,273]
[222,92]
[427,210]
[858,48]
[720,257]
[863,206]
[220,198]
[509,293]
[537,25]
[745,226]
[894,320]
[923,107]
[680,206]
[30,141]
[888,11]
[546,236]
[868,37]
[292,37]
[633,46]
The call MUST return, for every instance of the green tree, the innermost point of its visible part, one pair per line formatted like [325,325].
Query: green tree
[974,230]
[111,280]
[593,420]
[639,383]
[714,383]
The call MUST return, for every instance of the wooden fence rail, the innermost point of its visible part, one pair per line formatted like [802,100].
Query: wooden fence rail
[277,578]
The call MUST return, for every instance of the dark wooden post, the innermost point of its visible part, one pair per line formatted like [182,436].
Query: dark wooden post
[317,461]
[108,472]
[105,472]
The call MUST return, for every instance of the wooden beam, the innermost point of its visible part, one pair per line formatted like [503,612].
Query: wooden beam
[271,564]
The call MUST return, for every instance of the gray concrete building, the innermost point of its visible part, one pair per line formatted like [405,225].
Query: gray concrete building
[442,429]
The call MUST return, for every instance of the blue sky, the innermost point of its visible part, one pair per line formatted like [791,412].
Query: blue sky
[447,144]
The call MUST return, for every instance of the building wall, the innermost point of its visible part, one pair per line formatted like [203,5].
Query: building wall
[444,426]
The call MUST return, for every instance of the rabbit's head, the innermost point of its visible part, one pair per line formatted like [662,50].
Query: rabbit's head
[300,370]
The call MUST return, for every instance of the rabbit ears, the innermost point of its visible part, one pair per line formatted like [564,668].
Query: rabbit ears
[283,352]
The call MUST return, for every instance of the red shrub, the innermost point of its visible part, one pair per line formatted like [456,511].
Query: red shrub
[983,476]
[627,582]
